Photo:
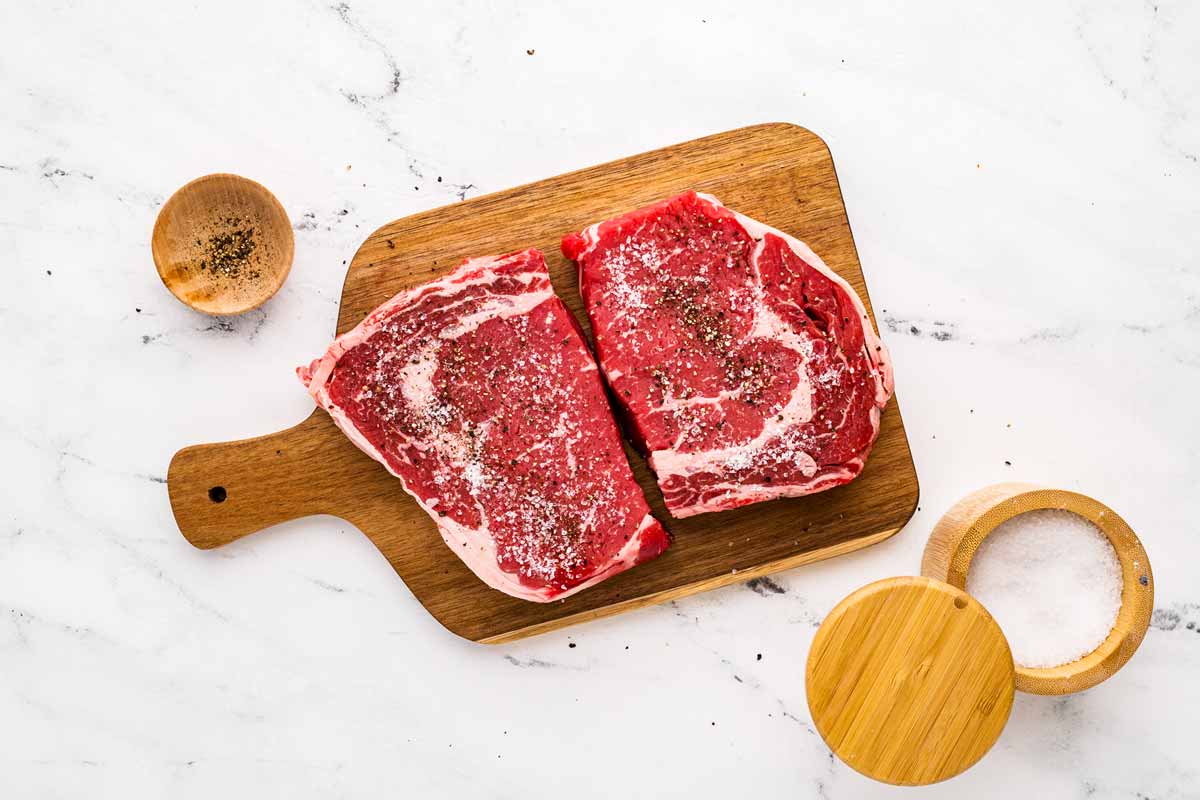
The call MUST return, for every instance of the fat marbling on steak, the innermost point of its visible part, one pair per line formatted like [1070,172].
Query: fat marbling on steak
[747,368]
[479,393]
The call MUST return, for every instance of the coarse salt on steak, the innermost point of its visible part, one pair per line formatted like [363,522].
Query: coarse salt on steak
[478,392]
[748,369]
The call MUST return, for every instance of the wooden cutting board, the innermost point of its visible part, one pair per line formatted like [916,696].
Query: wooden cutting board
[780,174]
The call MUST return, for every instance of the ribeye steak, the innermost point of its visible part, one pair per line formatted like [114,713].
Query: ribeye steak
[747,368]
[479,393]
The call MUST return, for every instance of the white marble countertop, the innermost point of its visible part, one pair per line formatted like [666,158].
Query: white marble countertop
[1024,184]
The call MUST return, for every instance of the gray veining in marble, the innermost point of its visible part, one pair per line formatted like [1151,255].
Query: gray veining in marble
[1023,180]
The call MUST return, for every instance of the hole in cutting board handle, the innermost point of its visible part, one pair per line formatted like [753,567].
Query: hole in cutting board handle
[960,602]
[217,494]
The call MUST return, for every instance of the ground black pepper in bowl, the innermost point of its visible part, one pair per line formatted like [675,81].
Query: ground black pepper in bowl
[222,244]
[230,250]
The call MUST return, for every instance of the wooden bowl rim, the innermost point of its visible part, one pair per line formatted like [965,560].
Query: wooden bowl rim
[1137,591]
[278,276]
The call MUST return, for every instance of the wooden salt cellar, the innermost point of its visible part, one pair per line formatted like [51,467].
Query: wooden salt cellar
[959,533]
[910,680]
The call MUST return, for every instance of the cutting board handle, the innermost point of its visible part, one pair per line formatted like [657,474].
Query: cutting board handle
[224,491]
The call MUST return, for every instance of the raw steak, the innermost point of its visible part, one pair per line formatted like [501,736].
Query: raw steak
[478,392]
[747,369]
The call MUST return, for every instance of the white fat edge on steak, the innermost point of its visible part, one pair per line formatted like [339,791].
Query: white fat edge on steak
[478,550]
[877,352]
[757,230]
[534,521]
[767,325]
[732,495]
[591,237]
[471,272]
[475,546]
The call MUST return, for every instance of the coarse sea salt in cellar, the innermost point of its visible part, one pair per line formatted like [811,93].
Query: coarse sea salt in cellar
[1052,580]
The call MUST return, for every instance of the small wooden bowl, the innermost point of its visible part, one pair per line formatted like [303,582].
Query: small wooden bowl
[223,244]
[959,533]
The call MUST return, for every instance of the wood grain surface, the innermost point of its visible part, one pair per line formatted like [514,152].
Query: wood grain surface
[780,174]
[216,205]
[909,680]
[960,532]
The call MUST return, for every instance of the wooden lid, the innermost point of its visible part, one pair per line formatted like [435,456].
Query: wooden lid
[909,680]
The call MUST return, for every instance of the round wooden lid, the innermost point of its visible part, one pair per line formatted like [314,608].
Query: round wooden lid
[910,680]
